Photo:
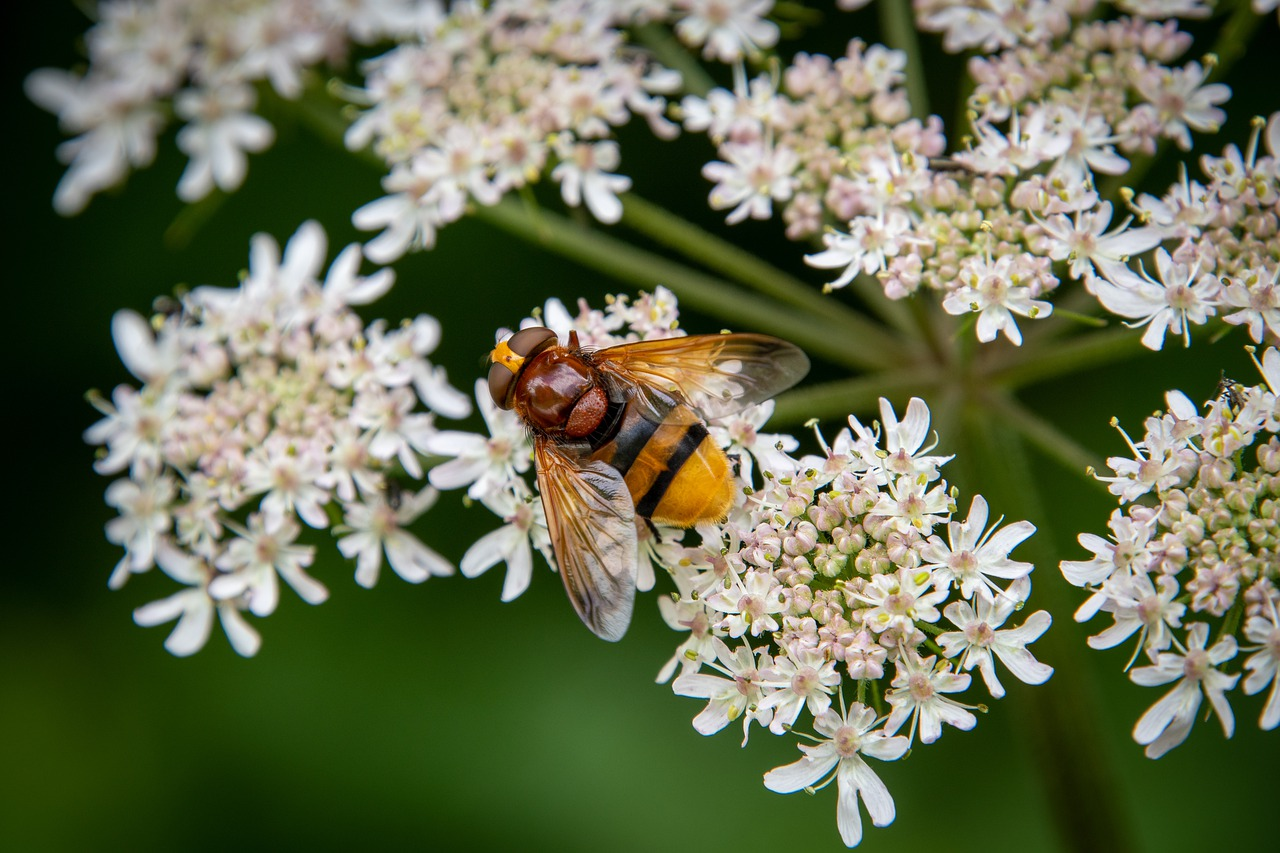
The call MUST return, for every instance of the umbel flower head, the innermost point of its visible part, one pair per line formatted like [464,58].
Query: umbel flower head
[993,224]
[839,579]
[266,409]
[1194,551]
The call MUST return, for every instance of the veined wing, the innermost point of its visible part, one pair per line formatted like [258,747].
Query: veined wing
[716,374]
[591,519]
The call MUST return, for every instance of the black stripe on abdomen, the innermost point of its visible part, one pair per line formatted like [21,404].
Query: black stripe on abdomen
[680,454]
[630,439]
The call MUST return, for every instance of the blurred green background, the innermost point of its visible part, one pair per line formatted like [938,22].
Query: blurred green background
[435,716]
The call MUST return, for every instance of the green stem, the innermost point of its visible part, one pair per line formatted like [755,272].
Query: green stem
[740,265]
[900,34]
[923,316]
[1041,434]
[1233,39]
[1076,309]
[1058,720]
[192,218]
[1089,350]
[593,248]
[1231,622]
[670,53]
[317,110]
[895,312]
[848,396]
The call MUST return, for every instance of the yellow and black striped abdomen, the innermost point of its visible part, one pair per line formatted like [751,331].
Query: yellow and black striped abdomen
[674,470]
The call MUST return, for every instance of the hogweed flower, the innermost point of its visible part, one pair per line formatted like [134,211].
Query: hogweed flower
[989,223]
[1194,548]
[261,406]
[476,101]
[846,737]
[828,578]
[269,413]
[200,62]
[492,98]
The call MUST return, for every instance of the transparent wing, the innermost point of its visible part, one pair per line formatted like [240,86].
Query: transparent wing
[715,374]
[591,519]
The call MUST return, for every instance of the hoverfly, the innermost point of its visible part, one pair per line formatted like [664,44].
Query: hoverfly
[619,433]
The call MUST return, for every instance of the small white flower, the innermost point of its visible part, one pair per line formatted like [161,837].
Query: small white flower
[194,608]
[898,600]
[871,241]
[221,128]
[799,679]
[1088,247]
[755,176]
[1128,552]
[917,695]
[397,431]
[1139,606]
[978,638]
[728,30]
[847,739]
[910,504]
[117,123]
[411,213]
[1258,300]
[687,615]
[1164,459]
[152,358]
[1263,628]
[750,603]
[1091,145]
[585,173]
[976,554]
[739,435]
[487,465]
[1179,297]
[133,429]
[376,526]
[146,508]
[287,473]
[255,556]
[904,453]
[990,289]
[736,694]
[1168,722]
[1029,143]
[1183,104]
[510,544]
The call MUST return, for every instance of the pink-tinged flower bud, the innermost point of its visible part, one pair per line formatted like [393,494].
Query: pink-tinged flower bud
[1216,472]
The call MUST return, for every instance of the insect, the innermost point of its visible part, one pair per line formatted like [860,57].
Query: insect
[1232,393]
[620,434]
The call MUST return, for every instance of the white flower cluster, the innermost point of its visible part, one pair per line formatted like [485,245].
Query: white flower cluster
[475,102]
[1198,547]
[488,98]
[840,574]
[1058,110]
[492,99]
[199,60]
[1060,102]
[262,405]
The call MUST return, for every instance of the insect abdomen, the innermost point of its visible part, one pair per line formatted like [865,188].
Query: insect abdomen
[675,472]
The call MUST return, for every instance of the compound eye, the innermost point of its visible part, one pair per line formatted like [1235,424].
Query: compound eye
[509,358]
[500,381]
[526,341]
